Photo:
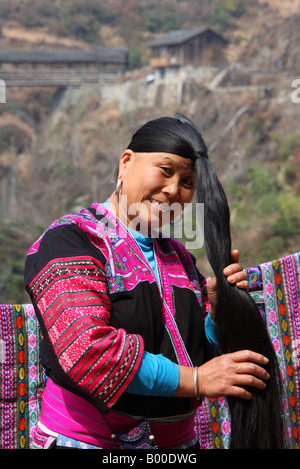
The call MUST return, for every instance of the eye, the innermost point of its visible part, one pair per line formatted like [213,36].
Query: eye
[189,183]
[188,180]
[166,170]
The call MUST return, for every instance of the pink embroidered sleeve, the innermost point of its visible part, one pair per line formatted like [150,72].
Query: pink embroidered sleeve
[71,295]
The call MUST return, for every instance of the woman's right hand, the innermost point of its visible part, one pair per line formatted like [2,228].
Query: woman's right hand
[225,375]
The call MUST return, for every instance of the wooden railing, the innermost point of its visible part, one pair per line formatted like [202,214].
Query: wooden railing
[56,77]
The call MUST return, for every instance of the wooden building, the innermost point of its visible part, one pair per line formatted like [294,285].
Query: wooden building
[197,47]
[61,66]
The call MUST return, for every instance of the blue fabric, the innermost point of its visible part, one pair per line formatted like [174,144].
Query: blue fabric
[156,376]
[212,332]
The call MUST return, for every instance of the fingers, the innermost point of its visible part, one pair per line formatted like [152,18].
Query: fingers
[235,270]
[252,375]
[240,392]
[236,275]
[248,356]
[235,255]
[233,374]
[241,388]
[249,373]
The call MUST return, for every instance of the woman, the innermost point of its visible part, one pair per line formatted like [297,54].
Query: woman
[127,320]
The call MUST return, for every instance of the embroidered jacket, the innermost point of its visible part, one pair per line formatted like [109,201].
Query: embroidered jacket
[100,306]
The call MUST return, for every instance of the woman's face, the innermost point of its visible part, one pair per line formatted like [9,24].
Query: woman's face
[155,188]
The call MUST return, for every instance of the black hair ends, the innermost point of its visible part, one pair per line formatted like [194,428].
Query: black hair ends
[255,424]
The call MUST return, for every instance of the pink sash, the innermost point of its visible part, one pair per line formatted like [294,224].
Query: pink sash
[65,413]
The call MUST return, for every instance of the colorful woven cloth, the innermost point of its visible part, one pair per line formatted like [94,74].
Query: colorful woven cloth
[21,376]
[275,287]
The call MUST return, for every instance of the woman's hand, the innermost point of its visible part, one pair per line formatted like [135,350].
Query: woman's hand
[235,275]
[227,374]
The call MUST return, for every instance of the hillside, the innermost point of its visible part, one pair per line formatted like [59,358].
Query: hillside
[59,149]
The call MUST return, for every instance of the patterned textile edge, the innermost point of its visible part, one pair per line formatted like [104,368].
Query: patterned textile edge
[21,376]
[282,289]
[36,373]
[275,287]
[212,424]
[7,379]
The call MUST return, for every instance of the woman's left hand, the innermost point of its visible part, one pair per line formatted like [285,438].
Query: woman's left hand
[235,275]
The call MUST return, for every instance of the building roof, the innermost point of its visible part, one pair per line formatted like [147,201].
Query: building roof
[176,37]
[98,55]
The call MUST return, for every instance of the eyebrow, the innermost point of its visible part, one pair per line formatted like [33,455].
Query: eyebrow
[171,160]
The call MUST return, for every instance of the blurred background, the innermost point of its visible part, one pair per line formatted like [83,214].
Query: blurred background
[80,76]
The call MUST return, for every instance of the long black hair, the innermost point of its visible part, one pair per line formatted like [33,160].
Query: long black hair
[255,424]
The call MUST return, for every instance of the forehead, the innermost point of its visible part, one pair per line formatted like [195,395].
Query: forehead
[176,161]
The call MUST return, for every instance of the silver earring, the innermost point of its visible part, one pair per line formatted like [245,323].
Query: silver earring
[118,187]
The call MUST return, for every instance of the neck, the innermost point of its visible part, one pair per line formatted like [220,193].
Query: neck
[121,213]
[114,204]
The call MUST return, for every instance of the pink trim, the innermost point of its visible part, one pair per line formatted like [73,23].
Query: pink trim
[70,415]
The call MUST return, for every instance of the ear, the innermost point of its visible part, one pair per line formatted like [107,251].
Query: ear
[126,159]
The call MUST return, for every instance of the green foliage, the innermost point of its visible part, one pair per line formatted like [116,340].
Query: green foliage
[283,229]
[287,145]
[171,23]
[12,256]
[137,58]
[134,58]
[235,8]
[236,191]
[78,19]
[267,202]
[13,290]
[256,125]
[159,21]
[261,181]
[287,221]
[82,26]
[220,19]
[224,11]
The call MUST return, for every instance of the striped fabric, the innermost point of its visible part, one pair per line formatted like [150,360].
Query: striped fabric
[71,295]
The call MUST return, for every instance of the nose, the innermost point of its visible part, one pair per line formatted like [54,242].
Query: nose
[172,189]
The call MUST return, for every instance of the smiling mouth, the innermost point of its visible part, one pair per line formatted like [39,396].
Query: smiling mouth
[161,205]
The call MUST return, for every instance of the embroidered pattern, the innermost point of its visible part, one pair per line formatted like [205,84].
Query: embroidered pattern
[21,376]
[71,296]
[275,287]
